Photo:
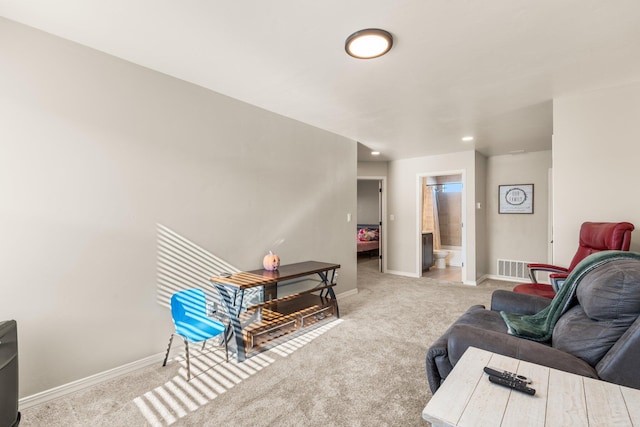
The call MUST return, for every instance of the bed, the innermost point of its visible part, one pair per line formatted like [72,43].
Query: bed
[368,238]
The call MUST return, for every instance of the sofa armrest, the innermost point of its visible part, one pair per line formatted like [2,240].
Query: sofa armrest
[557,280]
[465,336]
[620,364]
[533,268]
[514,302]
[438,366]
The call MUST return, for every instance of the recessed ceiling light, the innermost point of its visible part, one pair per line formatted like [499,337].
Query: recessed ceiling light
[369,43]
[375,153]
[467,138]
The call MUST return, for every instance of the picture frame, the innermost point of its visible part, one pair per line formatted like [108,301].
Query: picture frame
[515,199]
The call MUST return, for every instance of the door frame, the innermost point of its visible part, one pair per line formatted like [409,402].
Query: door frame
[382,214]
[463,216]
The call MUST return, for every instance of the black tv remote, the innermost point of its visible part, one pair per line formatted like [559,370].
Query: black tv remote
[516,385]
[506,375]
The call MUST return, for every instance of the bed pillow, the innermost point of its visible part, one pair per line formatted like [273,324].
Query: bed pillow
[366,235]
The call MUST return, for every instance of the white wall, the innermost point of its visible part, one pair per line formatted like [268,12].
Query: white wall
[595,158]
[368,201]
[377,169]
[520,237]
[480,207]
[95,153]
[403,231]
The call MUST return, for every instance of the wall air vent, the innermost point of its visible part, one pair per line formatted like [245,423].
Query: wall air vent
[513,269]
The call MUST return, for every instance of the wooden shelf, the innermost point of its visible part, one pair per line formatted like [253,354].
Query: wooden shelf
[284,316]
[262,323]
[280,301]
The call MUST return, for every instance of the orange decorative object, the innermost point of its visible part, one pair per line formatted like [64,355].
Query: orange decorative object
[271,261]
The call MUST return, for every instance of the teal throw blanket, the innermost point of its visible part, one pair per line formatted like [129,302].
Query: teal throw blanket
[539,326]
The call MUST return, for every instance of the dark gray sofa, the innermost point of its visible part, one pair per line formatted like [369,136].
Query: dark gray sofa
[598,336]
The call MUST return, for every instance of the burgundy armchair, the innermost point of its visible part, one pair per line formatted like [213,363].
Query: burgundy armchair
[594,237]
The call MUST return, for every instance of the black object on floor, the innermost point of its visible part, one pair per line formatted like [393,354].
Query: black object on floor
[9,415]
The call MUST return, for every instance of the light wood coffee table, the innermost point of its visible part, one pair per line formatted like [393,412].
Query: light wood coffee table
[467,398]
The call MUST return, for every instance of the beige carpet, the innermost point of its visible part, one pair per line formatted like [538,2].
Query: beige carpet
[366,369]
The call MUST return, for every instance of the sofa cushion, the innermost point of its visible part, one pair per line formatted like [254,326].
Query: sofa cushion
[612,291]
[609,302]
[588,339]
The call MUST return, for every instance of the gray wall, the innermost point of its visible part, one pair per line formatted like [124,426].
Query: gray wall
[373,169]
[403,230]
[595,158]
[520,237]
[480,209]
[97,154]
[368,202]
[495,236]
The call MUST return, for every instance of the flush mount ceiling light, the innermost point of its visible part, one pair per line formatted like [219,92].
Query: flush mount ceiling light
[369,43]
[467,138]
[375,153]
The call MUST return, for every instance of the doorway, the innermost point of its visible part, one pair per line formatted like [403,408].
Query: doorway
[441,226]
[371,207]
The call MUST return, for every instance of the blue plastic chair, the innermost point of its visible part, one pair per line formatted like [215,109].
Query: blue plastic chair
[189,311]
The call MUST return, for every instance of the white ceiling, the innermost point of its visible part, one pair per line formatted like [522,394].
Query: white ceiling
[458,67]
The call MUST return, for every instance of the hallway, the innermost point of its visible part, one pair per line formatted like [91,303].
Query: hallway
[451,274]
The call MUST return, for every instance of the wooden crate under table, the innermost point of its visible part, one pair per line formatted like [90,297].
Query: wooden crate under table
[274,320]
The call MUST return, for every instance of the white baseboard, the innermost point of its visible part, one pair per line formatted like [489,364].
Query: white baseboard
[481,279]
[347,293]
[403,273]
[72,387]
[505,278]
[56,392]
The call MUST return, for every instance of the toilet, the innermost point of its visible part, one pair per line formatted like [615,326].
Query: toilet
[441,258]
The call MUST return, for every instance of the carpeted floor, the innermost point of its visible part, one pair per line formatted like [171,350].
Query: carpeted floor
[365,369]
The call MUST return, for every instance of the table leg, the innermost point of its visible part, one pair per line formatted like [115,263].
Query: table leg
[324,281]
[233,308]
[270,292]
[333,296]
[329,291]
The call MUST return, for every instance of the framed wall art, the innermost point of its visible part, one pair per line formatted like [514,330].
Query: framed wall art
[515,199]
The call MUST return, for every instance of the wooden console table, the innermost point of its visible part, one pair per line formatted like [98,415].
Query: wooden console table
[467,398]
[276,316]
